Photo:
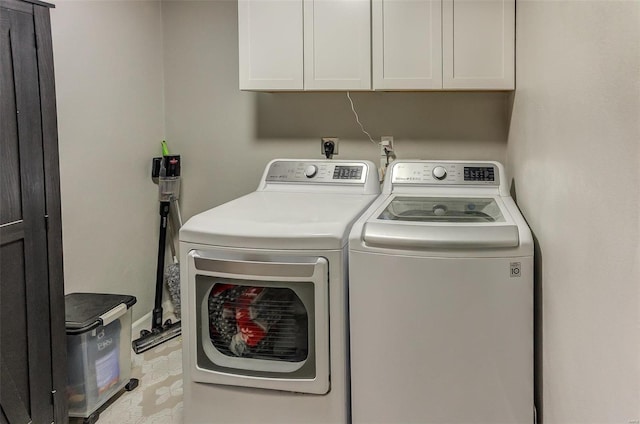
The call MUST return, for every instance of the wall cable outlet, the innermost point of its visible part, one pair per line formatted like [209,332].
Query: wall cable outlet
[387,154]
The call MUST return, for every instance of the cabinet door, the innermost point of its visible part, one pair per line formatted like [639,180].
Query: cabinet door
[337,45]
[407,44]
[478,44]
[26,365]
[270,43]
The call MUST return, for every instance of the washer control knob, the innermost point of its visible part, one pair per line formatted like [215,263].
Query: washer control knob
[310,171]
[439,173]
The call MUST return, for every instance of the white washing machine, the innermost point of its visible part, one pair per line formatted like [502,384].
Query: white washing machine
[441,299]
[264,283]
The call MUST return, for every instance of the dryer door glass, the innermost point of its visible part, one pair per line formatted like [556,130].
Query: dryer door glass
[248,321]
[259,328]
[442,209]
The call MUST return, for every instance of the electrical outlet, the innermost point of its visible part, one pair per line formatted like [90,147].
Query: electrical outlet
[387,154]
[386,142]
[333,141]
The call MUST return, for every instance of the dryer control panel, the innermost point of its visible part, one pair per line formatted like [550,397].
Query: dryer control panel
[318,172]
[445,173]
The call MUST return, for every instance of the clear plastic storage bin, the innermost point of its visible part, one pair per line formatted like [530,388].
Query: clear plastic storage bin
[98,350]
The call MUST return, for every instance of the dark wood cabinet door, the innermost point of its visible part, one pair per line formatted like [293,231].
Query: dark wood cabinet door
[26,365]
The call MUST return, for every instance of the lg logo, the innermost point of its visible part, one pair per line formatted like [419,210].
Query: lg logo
[515,269]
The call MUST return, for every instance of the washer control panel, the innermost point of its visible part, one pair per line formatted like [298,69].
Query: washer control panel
[315,172]
[446,173]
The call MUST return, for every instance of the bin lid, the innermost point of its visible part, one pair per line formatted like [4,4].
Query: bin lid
[85,311]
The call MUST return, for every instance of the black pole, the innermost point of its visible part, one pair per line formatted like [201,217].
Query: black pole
[157,307]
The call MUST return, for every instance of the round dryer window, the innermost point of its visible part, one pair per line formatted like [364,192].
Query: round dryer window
[258,322]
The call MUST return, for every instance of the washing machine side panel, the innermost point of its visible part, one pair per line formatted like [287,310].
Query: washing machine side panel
[437,340]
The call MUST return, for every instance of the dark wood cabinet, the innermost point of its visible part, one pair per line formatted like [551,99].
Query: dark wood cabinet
[32,329]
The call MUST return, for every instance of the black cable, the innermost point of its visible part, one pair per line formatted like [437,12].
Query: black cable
[328,149]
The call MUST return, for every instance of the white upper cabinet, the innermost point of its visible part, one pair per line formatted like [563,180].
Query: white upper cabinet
[478,44]
[337,45]
[407,44]
[270,40]
[443,44]
[304,44]
[377,44]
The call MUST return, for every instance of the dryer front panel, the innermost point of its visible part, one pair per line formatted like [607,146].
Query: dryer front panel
[260,323]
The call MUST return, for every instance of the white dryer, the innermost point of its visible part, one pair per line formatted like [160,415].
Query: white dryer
[441,299]
[264,283]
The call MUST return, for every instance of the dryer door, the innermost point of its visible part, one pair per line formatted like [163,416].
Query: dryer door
[261,323]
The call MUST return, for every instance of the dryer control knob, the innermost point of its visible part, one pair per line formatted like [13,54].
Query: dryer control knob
[439,173]
[310,171]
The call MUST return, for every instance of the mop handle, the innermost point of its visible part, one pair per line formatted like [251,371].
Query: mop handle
[174,227]
[176,210]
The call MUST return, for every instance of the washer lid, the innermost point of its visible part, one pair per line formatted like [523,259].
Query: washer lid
[442,209]
[443,222]
[279,220]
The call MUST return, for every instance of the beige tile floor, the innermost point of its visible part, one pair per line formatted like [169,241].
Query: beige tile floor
[158,397]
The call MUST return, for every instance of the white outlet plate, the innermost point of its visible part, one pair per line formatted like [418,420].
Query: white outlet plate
[332,139]
[386,141]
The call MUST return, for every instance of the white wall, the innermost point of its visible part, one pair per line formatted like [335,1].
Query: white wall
[226,136]
[574,152]
[109,86]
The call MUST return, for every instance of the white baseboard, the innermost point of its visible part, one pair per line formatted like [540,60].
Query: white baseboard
[144,323]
